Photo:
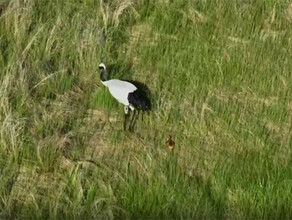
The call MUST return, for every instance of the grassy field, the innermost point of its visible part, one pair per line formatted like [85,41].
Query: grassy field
[221,82]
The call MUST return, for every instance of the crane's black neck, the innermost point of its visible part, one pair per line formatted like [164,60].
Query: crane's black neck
[103,74]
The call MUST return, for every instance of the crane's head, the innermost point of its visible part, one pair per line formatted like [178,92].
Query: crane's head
[103,72]
[102,66]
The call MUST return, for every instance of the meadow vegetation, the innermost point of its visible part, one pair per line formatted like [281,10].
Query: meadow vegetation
[221,82]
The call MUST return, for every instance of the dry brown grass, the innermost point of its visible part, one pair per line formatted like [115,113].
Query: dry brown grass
[289,13]
[196,17]
[111,12]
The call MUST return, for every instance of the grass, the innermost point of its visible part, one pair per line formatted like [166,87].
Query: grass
[220,76]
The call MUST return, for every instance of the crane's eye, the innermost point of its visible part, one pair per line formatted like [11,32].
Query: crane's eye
[101,67]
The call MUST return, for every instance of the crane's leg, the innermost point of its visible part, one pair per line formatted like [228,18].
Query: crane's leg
[127,115]
[134,119]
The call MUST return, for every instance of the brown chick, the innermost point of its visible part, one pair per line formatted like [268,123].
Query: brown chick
[170,143]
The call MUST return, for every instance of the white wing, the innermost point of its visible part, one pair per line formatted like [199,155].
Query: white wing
[120,89]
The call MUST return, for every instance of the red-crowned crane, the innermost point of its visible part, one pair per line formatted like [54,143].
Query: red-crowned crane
[133,95]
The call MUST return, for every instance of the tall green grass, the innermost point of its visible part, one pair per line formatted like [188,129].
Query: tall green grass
[220,76]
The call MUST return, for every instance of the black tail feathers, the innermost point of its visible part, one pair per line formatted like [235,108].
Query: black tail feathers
[140,98]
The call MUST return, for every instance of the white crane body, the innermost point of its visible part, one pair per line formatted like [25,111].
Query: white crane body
[131,96]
